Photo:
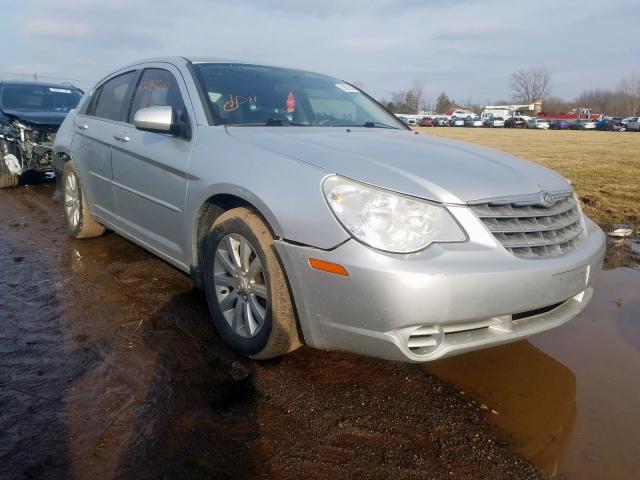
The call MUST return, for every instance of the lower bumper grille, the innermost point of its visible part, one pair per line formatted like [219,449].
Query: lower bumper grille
[426,339]
[534,226]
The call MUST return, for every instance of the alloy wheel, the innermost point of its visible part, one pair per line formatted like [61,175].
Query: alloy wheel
[240,285]
[72,200]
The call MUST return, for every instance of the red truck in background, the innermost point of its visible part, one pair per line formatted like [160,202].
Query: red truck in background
[574,114]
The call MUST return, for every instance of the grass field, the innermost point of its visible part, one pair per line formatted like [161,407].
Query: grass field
[604,167]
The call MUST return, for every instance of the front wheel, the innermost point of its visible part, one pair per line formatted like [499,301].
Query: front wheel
[79,222]
[246,287]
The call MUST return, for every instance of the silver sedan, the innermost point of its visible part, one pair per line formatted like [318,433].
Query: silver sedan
[309,214]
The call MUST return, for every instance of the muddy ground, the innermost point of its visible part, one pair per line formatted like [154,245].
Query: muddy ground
[111,368]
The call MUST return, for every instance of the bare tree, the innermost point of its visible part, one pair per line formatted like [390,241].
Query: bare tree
[599,99]
[399,100]
[629,88]
[411,100]
[529,85]
[555,105]
[417,90]
[427,104]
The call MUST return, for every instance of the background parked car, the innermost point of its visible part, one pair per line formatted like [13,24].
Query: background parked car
[473,122]
[441,122]
[623,123]
[426,122]
[456,122]
[609,124]
[515,122]
[494,122]
[583,124]
[559,124]
[30,115]
[538,123]
[633,125]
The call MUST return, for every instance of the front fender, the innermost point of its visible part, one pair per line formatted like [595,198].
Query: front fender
[285,191]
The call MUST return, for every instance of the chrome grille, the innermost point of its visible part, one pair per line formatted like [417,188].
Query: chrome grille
[529,228]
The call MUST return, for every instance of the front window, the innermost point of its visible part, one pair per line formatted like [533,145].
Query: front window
[259,95]
[39,98]
[157,87]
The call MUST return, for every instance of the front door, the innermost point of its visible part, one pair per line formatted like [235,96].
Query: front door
[149,169]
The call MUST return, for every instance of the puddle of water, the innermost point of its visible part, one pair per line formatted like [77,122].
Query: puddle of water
[568,398]
[622,252]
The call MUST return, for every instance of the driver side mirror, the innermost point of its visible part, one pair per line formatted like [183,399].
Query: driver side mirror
[160,120]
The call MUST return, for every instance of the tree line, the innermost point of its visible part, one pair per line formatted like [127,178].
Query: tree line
[527,86]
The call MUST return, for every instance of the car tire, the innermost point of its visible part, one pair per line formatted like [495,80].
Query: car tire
[7,179]
[253,312]
[76,210]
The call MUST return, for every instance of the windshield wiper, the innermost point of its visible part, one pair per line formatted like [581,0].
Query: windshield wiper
[272,122]
[275,122]
[378,125]
[279,122]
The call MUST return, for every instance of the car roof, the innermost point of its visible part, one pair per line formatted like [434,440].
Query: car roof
[184,60]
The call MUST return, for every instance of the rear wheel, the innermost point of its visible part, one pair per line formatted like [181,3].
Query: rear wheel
[79,221]
[246,288]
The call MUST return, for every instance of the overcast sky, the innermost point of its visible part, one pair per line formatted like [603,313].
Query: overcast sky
[467,48]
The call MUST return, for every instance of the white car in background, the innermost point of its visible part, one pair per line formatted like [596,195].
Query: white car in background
[538,123]
[462,114]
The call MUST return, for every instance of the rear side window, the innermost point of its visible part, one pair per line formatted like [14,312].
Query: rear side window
[157,88]
[112,101]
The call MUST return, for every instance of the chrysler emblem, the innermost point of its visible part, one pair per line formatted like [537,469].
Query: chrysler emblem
[548,198]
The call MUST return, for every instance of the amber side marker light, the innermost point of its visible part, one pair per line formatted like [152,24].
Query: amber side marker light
[328,267]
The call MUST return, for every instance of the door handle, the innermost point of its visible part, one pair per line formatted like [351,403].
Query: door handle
[122,138]
[82,126]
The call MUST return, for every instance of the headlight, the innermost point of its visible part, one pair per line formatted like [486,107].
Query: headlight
[389,221]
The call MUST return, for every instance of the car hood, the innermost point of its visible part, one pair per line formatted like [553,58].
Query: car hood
[420,165]
[37,117]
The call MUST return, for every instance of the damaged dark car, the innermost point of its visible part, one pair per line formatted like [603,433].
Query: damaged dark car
[30,115]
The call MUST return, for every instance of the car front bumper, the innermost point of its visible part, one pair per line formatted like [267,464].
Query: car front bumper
[445,300]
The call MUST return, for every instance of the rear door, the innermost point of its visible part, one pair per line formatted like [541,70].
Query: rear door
[95,129]
[149,169]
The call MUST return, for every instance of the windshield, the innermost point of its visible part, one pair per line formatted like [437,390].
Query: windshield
[40,98]
[259,95]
